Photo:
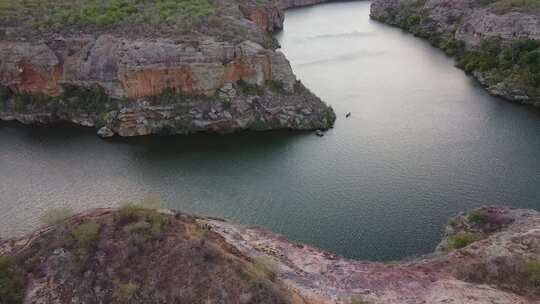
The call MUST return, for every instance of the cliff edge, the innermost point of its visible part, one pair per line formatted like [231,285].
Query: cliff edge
[137,255]
[137,68]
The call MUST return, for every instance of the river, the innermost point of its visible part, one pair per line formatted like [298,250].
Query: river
[423,142]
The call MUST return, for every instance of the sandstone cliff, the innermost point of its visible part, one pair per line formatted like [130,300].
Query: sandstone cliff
[496,41]
[270,16]
[137,255]
[221,73]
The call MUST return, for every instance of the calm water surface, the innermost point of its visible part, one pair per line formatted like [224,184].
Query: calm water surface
[423,143]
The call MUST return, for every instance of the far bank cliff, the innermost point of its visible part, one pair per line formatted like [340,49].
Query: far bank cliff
[199,66]
[495,41]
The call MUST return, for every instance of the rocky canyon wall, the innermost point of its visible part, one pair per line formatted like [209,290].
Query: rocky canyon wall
[210,83]
[494,41]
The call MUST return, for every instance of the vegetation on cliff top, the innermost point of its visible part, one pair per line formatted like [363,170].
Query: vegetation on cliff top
[135,254]
[11,281]
[515,62]
[96,14]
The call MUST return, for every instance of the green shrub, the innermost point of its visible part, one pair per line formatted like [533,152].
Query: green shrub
[86,233]
[56,216]
[138,228]
[249,88]
[58,14]
[4,96]
[357,300]
[463,239]
[413,20]
[474,216]
[453,47]
[124,292]
[533,270]
[158,222]
[11,281]
[86,100]
[127,213]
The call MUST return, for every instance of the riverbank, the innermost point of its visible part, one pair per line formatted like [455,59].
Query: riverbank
[205,67]
[488,254]
[496,42]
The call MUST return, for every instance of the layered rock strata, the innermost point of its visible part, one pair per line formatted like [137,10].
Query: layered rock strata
[173,83]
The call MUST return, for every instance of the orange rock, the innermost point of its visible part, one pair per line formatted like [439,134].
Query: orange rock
[34,79]
[152,81]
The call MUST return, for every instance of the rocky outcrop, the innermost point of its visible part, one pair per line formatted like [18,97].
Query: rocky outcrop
[269,16]
[482,23]
[490,269]
[501,264]
[465,24]
[132,256]
[128,70]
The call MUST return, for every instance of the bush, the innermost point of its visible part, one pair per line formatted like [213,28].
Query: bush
[453,47]
[413,20]
[127,213]
[86,233]
[356,300]
[138,228]
[533,270]
[463,239]
[124,292]
[4,96]
[158,222]
[56,216]
[11,281]
[86,100]
[249,88]
[474,216]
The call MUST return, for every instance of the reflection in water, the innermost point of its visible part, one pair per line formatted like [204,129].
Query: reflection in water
[423,142]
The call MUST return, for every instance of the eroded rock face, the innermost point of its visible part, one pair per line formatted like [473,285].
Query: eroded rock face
[131,69]
[137,68]
[269,16]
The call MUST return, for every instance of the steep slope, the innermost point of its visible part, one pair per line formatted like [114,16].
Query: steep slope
[143,67]
[136,255]
[132,255]
[496,41]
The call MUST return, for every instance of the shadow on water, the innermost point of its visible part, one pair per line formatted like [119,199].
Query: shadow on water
[208,145]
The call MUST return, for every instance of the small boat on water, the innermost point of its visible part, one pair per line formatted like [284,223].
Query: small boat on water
[348,115]
[319,133]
